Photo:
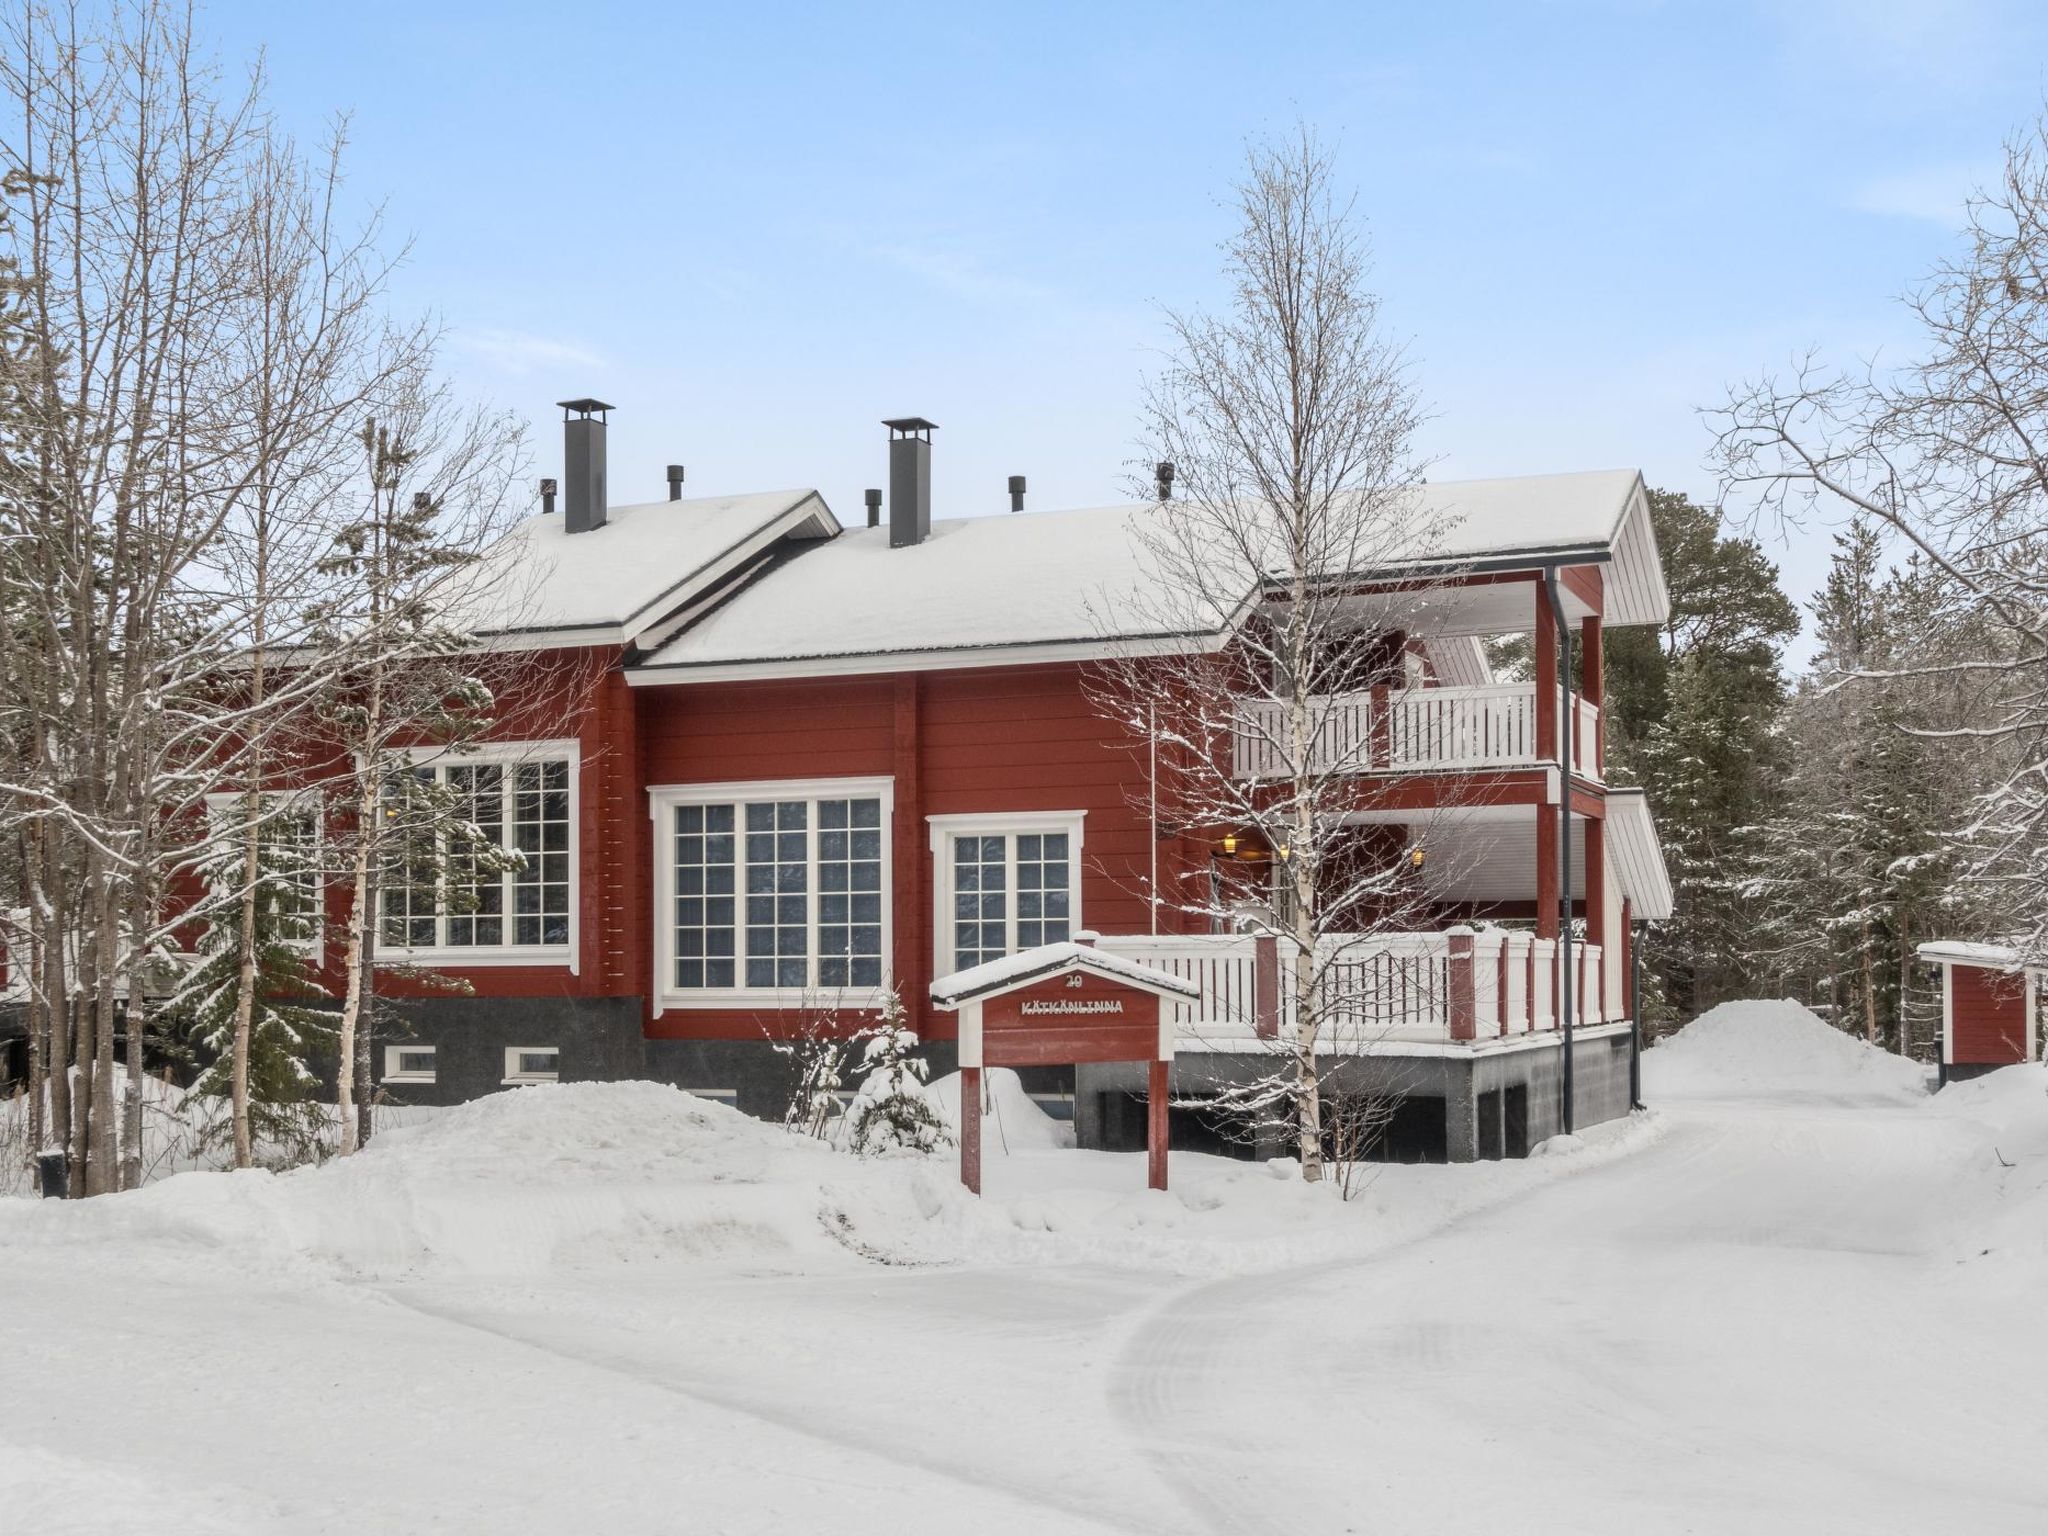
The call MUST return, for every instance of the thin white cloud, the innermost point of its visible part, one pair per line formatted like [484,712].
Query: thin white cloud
[521,355]
[961,275]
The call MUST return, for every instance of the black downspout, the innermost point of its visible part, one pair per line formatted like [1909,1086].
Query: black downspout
[1566,1013]
[1635,1015]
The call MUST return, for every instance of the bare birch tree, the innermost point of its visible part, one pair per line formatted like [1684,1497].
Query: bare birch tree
[1946,452]
[1285,428]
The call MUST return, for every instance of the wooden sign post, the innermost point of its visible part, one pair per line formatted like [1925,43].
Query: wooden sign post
[1059,1004]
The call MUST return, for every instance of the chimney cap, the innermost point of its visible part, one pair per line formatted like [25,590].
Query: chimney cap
[583,407]
[911,426]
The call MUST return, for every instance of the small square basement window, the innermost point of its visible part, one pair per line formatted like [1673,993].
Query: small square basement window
[533,1064]
[408,1063]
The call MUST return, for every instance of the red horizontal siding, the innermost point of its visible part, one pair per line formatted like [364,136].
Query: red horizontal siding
[1990,1016]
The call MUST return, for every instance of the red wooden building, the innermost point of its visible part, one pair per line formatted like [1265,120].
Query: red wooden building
[1990,1008]
[805,762]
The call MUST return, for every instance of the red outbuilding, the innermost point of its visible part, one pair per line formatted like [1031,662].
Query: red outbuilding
[1990,1008]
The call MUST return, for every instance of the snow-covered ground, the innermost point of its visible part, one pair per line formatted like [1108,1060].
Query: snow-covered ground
[1801,1295]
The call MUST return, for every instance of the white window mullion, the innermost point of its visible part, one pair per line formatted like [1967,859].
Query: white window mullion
[812,837]
[508,838]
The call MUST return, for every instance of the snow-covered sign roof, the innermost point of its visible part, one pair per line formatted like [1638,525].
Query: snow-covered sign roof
[607,585]
[1060,585]
[1010,972]
[1955,952]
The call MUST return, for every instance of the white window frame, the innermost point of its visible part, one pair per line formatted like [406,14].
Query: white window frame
[943,829]
[224,805]
[465,956]
[514,1076]
[393,1073]
[662,800]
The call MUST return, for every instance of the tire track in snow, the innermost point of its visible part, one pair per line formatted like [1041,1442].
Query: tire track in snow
[1181,1377]
[895,1450]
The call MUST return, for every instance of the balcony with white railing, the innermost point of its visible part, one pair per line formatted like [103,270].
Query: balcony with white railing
[1412,730]
[1374,991]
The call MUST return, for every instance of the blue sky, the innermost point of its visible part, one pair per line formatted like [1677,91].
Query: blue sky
[758,229]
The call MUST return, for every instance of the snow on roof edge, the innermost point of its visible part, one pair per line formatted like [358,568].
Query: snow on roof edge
[1008,972]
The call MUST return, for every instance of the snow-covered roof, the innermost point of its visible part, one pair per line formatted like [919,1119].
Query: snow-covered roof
[1046,583]
[1010,972]
[1053,585]
[1637,856]
[1955,952]
[608,584]
[1602,513]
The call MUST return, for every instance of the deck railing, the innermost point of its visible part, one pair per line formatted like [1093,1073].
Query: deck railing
[1459,985]
[1410,730]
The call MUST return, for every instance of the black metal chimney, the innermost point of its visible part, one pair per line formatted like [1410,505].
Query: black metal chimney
[910,480]
[873,497]
[583,503]
[547,498]
[1162,479]
[675,482]
[1016,493]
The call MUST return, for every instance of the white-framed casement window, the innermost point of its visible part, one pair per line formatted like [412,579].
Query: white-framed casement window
[533,1064]
[448,902]
[408,1064]
[292,847]
[1004,882]
[773,893]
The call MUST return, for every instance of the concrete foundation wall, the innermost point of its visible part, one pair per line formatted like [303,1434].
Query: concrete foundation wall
[1495,1103]
[599,1038]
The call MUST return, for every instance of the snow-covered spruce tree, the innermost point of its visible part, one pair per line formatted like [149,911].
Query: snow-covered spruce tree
[1289,420]
[1853,870]
[892,1112]
[280,1028]
[1943,452]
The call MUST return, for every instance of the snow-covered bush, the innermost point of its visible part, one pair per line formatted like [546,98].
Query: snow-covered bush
[892,1111]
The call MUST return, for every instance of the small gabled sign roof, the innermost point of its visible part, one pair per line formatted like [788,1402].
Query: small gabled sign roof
[992,978]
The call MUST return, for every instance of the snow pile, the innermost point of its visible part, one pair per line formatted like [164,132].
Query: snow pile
[1010,1118]
[2009,1169]
[1764,1046]
[575,1178]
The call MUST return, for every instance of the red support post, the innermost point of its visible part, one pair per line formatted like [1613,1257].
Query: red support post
[1547,917]
[1547,738]
[1379,753]
[1463,1003]
[970,1128]
[1155,1127]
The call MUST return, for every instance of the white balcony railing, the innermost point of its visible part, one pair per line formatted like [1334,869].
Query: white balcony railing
[1392,987]
[1411,730]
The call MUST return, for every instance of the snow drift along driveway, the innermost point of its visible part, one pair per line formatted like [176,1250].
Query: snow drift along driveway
[1806,1305]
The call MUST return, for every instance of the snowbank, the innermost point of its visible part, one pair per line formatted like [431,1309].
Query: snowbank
[1011,1119]
[575,1177]
[1767,1046]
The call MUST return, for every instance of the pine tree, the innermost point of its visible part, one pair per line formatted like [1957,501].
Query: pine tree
[1694,714]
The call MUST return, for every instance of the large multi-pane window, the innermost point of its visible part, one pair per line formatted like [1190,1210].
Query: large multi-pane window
[776,888]
[483,854]
[1006,883]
